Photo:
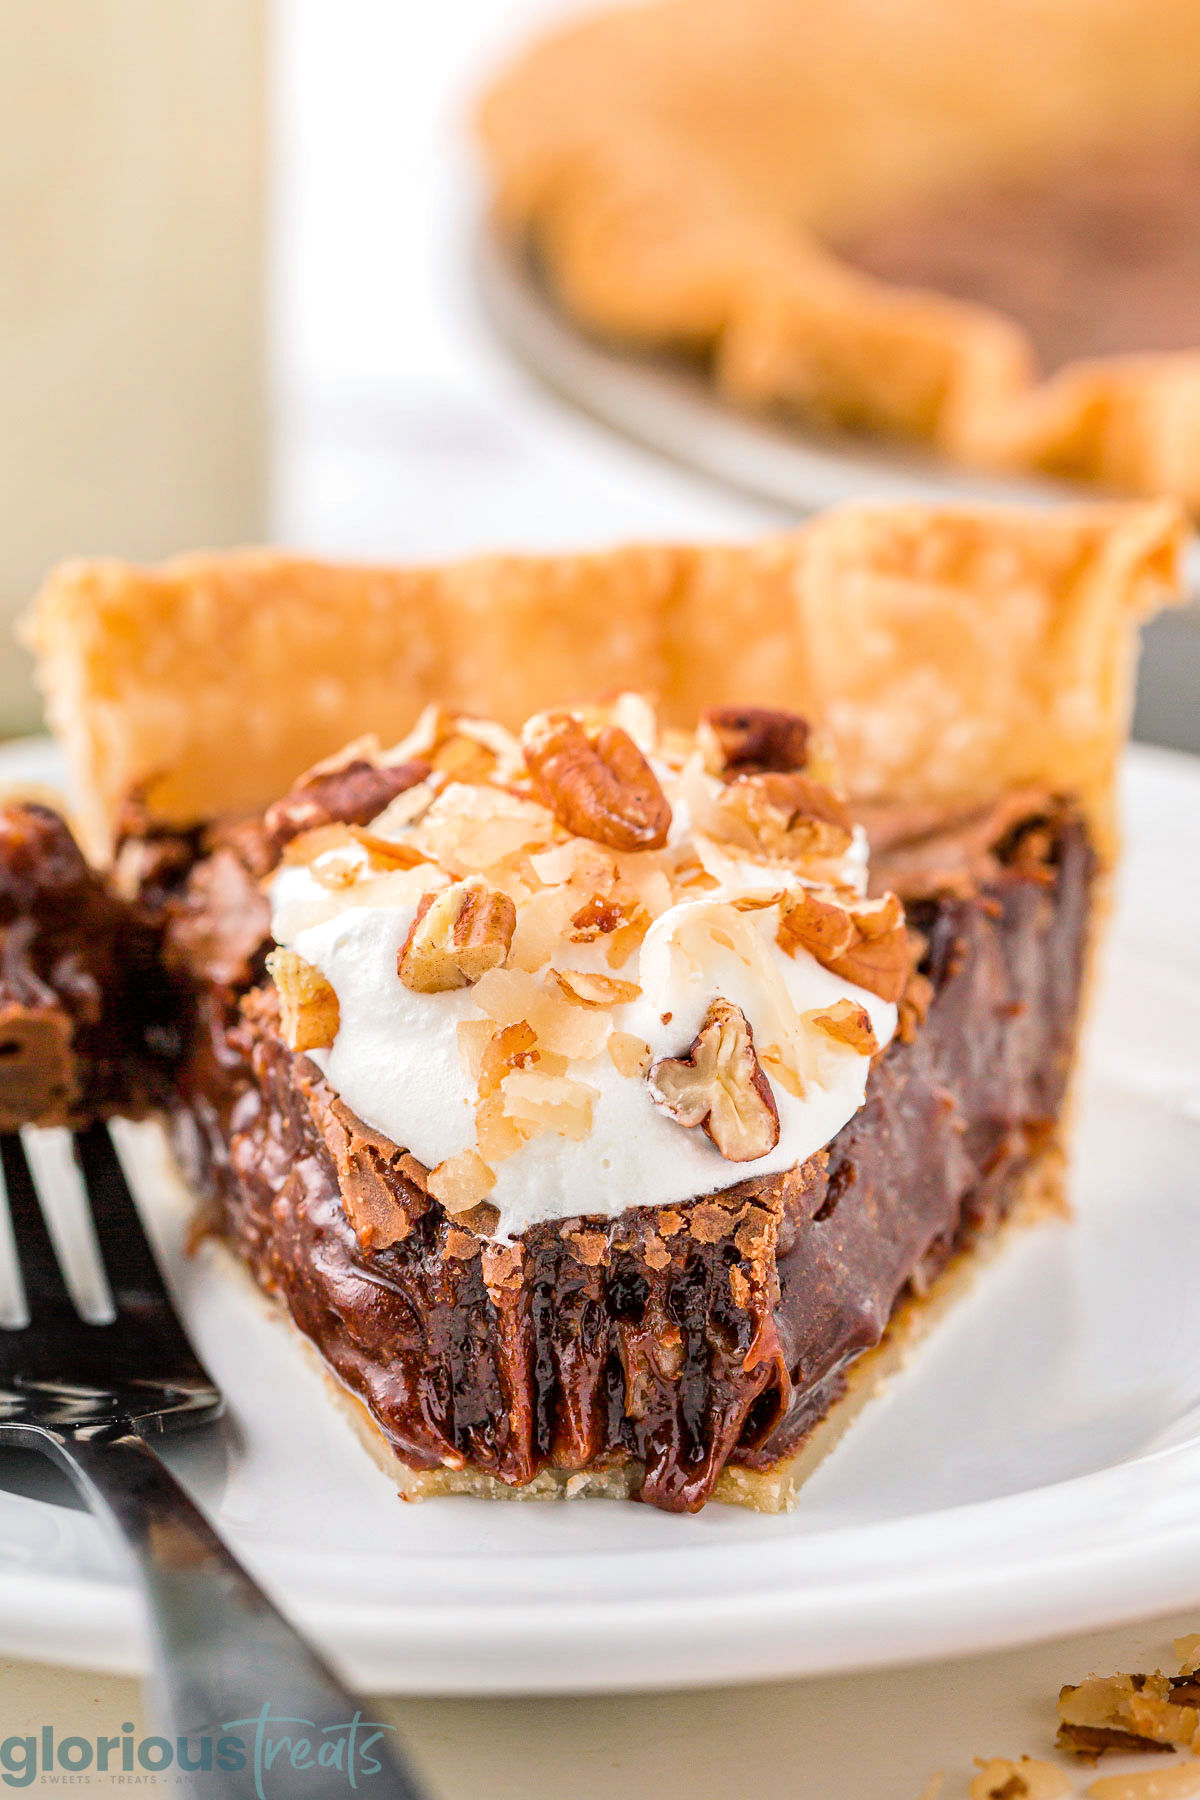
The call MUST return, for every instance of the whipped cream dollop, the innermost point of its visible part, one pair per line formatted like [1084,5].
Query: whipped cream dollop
[535,1083]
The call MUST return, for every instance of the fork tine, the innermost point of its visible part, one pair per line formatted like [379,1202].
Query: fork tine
[41,1276]
[128,1259]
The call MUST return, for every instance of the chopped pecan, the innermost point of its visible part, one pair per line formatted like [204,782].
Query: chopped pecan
[786,815]
[865,941]
[820,923]
[308,1006]
[459,933]
[350,792]
[1126,1712]
[596,918]
[753,740]
[597,787]
[720,1085]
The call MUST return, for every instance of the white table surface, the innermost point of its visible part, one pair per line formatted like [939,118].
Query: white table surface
[405,433]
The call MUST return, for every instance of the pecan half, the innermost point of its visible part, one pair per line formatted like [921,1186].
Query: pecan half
[597,787]
[308,1007]
[864,941]
[720,1085]
[787,815]
[458,934]
[753,740]
[350,793]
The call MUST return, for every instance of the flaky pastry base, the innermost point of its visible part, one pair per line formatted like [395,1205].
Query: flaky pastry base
[950,652]
[677,168]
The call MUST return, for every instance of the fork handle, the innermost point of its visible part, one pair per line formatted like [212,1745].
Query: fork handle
[222,1651]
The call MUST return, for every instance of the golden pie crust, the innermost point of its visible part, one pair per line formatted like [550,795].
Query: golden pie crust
[679,170]
[951,654]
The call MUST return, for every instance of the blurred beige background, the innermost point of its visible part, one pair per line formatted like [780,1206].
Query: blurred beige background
[132,327]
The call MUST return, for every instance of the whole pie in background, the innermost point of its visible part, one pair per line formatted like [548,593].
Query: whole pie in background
[974,226]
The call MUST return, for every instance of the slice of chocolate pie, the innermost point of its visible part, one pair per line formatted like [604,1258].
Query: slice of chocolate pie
[598,1111]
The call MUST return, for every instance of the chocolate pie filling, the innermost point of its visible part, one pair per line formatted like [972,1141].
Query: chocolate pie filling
[1101,258]
[669,1340]
[675,1340]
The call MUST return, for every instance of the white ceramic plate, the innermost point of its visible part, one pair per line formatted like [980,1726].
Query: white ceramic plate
[669,406]
[1035,1470]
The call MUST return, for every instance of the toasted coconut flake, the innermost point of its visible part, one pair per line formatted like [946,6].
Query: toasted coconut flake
[720,1086]
[782,1068]
[308,1007]
[407,808]
[1187,1649]
[1000,1779]
[847,1023]
[512,1047]
[308,845]
[645,882]
[474,1036]
[588,868]
[627,937]
[496,1135]
[630,1056]
[552,1103]
[584,988]
[338,854]
[510,996]
[470,829]
[542,925]
[462,1181]
[458,934]
[634,713]
[387,853]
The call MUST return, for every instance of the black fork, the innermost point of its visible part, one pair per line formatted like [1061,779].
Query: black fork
[91,1397]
